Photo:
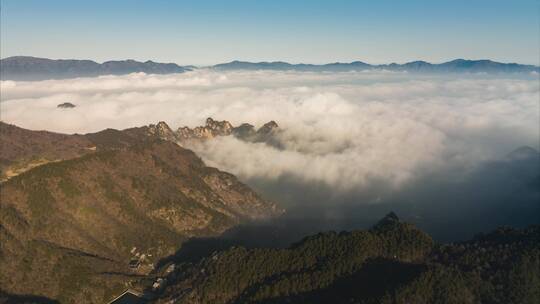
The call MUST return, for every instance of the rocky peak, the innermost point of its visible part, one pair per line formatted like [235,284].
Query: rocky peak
[162,130]
[213,128]
[388,221]
[219,127]
[184,132]
[210,121]
[268,127]
[244,131]
[163,127]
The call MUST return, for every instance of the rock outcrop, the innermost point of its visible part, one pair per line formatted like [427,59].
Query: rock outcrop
[162,130]
[212,129]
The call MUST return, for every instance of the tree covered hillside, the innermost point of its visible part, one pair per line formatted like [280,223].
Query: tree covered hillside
[394,262]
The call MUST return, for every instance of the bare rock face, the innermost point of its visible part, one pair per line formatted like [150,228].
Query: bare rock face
[266,132]
[162,130]
[244,131]
[221,128]
[212,129]
[185,133]
[268,127]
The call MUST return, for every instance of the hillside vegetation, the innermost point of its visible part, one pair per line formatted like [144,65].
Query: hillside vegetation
[393,262]
[69,228]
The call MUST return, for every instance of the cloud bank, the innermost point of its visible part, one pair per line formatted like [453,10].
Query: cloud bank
[347,131]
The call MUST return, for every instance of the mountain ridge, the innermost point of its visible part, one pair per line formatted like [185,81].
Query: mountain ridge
[453,66]
[211,129]
[393,262]
[35,68]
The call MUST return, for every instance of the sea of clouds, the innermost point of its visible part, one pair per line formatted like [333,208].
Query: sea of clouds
[343,130]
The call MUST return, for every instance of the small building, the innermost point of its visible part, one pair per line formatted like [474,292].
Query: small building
[128,297]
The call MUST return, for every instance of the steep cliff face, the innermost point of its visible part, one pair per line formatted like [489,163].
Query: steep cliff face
[70,228]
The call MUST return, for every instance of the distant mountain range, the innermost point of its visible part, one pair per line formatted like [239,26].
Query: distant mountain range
[32,68]
[454,66]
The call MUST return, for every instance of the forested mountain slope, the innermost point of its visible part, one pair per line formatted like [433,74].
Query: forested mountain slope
[393,262]
[69,228]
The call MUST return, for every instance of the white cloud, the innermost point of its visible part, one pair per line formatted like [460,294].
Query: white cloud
[344,130]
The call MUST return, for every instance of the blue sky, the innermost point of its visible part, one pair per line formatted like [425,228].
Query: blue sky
[208,32]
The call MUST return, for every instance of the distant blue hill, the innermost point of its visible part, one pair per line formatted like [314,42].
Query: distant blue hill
[32,68]
[454,66]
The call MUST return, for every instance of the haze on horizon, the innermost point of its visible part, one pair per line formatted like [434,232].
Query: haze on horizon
[210,32]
